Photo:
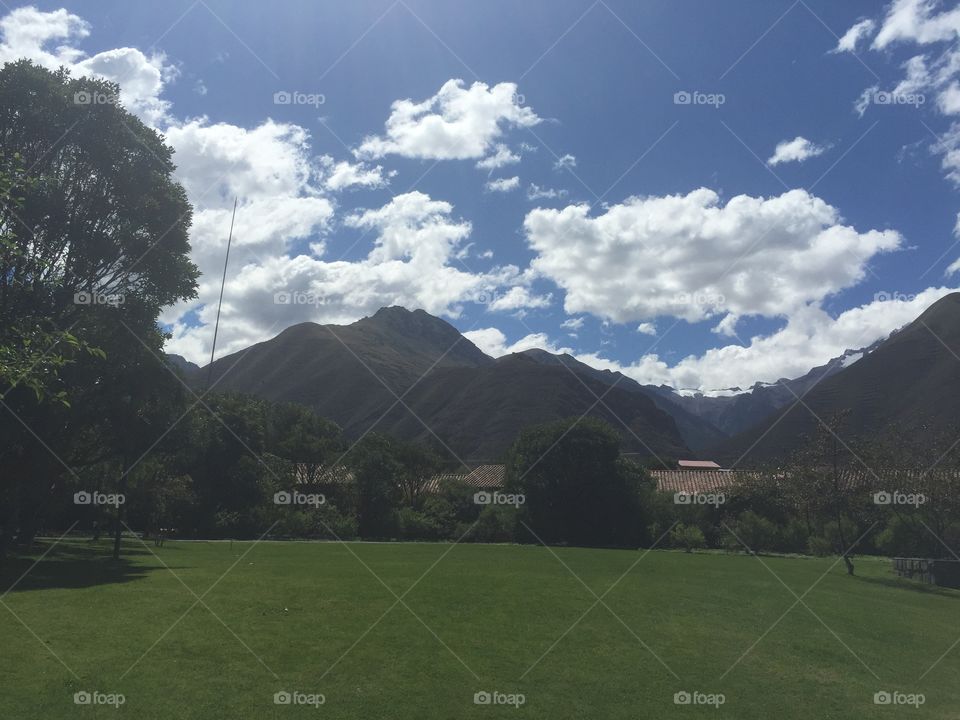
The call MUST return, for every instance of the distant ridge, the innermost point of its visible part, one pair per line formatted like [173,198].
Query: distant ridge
[913,377]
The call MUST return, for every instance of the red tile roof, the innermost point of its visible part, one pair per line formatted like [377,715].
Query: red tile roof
[695,481]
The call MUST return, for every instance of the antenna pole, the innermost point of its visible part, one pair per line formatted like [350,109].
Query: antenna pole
[223,281]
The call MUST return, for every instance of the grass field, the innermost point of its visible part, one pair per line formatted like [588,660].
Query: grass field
[316,618]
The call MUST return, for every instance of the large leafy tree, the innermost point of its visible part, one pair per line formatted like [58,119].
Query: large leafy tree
[94,235]
[577,487]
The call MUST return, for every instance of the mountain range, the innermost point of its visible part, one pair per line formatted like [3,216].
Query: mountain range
[412,375]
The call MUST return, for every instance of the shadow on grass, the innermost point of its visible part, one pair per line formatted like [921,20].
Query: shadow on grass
[74,564]
[911,585]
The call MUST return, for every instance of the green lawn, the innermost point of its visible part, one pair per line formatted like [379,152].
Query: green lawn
[306,610]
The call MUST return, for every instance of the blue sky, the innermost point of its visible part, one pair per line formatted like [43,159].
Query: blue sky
[665,216]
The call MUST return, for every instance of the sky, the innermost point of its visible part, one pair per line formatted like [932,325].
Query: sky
[699,194]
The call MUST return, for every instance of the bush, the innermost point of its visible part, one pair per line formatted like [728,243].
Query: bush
[495,524]
[688,537]
[416,525]
[754,531]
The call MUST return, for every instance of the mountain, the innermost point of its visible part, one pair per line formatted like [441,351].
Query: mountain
[696,431]
[187,368]
[348,373]
[733,413]
[450,390]
[910,378]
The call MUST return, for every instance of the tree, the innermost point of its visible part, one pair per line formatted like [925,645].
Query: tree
[377,467]
[689,537]
[93,243]
[577,488]
[418,467]
[819,467]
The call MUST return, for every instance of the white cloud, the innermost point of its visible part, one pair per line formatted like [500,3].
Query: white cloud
[344,174]
[411,264]
[727,326]
[567,161]
[796,150]
[27,33]
[519,298]
[500,157]
[917,21]
[503,184]
[953,268]
[494,343]
[572,323]
[690,257]
[809,338]
[949,99]
[647,328]
[852,37]
[535,192]
[455,124]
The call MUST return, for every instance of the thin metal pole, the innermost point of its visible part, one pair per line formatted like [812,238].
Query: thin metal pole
[223,282]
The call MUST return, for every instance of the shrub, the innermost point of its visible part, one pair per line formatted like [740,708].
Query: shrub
[688,537]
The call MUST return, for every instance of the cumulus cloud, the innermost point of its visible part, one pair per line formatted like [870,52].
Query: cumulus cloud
[519,298]
[647,328]
[500,157]
[344,174]
[494,343]
[810,337]
[796,150]
[411,263]
[28,33]
[567,161]
[457,123]
[503,184]
[691,257]
[572,323]
[852,37]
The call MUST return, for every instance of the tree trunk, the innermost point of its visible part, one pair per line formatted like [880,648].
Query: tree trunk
[118,525]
